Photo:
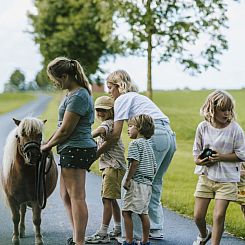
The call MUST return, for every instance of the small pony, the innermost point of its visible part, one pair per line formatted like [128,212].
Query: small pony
[21,161]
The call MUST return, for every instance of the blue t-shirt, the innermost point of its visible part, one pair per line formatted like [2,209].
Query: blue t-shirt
[81,103]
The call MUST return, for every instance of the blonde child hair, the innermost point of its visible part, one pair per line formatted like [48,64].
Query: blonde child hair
[144,124]
[62,65]
[122,79]
[221,100]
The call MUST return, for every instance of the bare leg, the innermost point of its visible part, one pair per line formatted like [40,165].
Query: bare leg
[145,227]
[107,211]
[116,212]
[218,220]
[66,199]
[74,180]
[200,211]
[128,223]
[22,219]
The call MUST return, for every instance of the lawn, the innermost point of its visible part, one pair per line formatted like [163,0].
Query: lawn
[182,107]
[11,101]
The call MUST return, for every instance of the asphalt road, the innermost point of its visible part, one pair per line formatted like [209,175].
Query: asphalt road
[55,225]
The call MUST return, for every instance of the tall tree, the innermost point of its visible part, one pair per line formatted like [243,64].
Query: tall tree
[17,78]
[189,32]
[77,29]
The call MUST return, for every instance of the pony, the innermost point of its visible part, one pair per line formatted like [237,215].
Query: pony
[21,160]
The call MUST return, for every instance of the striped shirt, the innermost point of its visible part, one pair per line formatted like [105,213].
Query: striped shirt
[114,157]
[141,151]
[223,140]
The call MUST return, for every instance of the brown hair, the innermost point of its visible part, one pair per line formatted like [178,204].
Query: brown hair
[144,124]
[221,100]
[62,65]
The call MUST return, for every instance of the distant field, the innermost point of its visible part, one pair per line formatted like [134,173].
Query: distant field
[182,107]
[11,101]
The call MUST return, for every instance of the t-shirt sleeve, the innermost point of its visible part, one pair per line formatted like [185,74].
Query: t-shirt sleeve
[133,151]
[121,108]
[78,104]
[198,145]
[239,142]
[107,125]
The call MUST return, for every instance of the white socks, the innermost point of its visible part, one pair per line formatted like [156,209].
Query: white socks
[103,229]
[117,226]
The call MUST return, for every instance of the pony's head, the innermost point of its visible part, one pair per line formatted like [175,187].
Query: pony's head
[29,138]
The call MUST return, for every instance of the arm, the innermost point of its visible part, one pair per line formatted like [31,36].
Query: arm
[218,157]
[231,157]
[98,132]
[115,136]
[69,123]
[132,169]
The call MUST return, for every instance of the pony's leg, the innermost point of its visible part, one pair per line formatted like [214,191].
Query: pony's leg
[15,208]
[22,219]
[36,212]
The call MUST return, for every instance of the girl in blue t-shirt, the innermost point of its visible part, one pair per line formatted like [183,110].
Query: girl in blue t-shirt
[74,141]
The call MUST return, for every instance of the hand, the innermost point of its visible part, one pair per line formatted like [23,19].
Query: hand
[46,147]
[126,185]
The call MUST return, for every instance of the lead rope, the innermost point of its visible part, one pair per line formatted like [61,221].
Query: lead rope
[41,180]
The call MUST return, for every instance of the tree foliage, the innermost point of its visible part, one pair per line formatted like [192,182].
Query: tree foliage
[17,78]
[188,32]
[77,29]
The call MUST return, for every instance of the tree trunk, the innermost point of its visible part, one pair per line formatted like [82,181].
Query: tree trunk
[149,49]
[149,76]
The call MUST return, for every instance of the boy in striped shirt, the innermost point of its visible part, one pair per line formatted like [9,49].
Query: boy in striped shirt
[139,176]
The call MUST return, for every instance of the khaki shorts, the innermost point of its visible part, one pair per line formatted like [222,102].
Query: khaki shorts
[241,195]
[111,183]
[137,198]
[207,188]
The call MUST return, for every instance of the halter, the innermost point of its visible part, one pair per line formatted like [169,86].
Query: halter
[25,149]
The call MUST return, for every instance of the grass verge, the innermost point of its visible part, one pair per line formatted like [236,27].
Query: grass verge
[11,101]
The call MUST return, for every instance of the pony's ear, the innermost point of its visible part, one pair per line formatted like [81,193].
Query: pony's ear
[44,121]
[16,121]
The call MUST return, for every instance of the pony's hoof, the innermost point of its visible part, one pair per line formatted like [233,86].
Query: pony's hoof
[38,241]
[15,240]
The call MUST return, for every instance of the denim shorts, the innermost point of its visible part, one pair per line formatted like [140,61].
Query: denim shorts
[81,158]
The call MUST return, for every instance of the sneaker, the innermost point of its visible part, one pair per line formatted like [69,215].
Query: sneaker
[97,238]
[156,235]
[69,241]
[201,240]
[114,233]
[133,243]
[120,239]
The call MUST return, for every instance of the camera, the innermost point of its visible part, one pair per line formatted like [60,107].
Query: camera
[207,152]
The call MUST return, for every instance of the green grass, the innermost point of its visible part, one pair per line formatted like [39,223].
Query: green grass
[182,107]
[11,101]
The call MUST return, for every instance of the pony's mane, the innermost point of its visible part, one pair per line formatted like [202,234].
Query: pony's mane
[29,125]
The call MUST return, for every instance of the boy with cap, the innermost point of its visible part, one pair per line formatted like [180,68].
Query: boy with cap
[113,165]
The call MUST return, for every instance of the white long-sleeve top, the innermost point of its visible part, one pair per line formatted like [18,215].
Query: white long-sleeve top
[226,140]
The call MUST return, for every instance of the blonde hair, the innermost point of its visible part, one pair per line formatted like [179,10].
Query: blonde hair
[110,114]
[221,100]
[122,79]
[62,65]
[144,124]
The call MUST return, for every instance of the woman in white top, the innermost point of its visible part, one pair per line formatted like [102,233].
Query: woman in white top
[219,167]
[129,103]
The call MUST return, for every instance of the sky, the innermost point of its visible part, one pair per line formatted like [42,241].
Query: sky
[18,50]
